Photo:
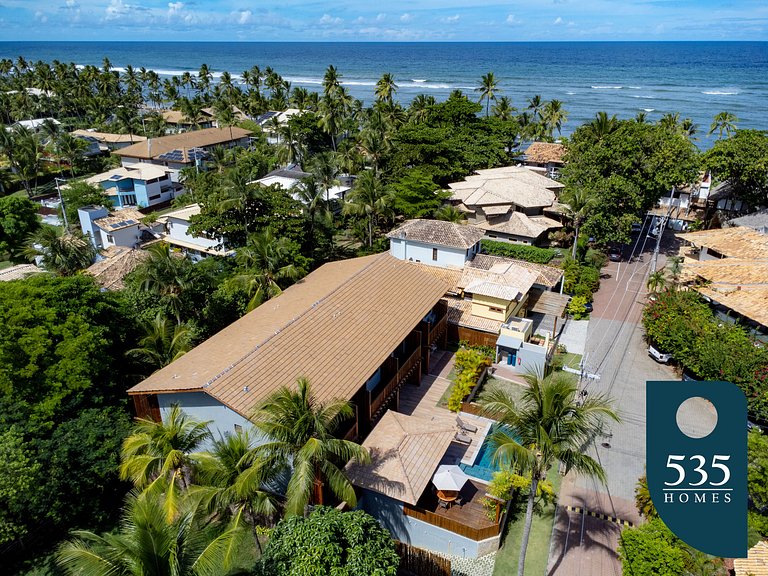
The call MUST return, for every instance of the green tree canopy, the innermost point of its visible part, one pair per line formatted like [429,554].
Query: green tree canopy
[18,219]
[651,549]
[78,193]
[19,474]
[330,542]
[742,159]
[757,475]
[415,194]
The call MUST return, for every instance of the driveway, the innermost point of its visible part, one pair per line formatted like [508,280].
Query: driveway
[587,526]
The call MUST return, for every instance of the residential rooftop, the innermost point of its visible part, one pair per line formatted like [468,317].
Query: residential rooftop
[119,219]
[520,224]
[155,147]
[547,276]
[139,171]
[184,214]
[504,186]
[108,137]
[438,232]
[110,272]
[18,272]
[758,221]
[737,242]
[545,153]
[335,327]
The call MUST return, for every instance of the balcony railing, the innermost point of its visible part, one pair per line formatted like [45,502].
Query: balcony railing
[402,370]
[438,330]
[455,526]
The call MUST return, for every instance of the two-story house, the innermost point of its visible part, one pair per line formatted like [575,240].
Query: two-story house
[142,185]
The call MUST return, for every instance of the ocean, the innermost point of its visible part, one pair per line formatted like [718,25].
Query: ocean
[696,79]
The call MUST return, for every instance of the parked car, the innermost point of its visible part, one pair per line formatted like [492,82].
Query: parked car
[637,227]
[660,357]
[688,377]
[588,308]
[614,254]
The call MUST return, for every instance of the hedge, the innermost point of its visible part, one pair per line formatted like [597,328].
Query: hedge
[518,251]
[468,367]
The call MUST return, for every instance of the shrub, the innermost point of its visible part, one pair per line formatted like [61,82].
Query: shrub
[506,483]
[595,259]
[583,290]
[590,277]
[518,251]
[577,307]
[469,364]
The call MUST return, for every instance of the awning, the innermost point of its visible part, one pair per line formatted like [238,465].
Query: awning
[546,302]
[509,342]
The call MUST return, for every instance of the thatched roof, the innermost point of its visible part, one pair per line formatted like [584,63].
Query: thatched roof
[117,264]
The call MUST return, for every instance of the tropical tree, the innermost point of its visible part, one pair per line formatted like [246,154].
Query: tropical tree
[71,149]
[643,500]
[535,105]
[161,453]
[450,213]
[167,275]
[579,201]
[656,281]
[163,343]
[553,116]
[503,109]
[487,89]
[549,423]
[325,171]
[148,543]
[368,199]
[723,122]
[314,206]
[61,252]
[385,88]
[418,111]
[300,432]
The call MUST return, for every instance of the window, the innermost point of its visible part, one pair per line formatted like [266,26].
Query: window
[434,253]
[238,428]
[110,238]
[494,309]
[155,197]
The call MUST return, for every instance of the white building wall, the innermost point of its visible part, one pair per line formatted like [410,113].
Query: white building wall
[178,229]
[405,249]
[127,237]
[204,408]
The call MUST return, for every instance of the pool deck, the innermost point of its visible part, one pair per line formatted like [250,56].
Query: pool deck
[422,401]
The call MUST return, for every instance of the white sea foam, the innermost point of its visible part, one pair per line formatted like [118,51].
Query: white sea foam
[607,87]
[570,93]
[649,109]
[719,93]
[303,80]
[644,97]
[635,87]
[417,80]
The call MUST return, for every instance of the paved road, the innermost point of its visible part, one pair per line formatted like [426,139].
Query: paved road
[616,351]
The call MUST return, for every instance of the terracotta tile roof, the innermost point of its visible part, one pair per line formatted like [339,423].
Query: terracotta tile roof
[405,452]
[119,219]
[439,233]
[548,276]
[520,224]
[545,152]
[516,185]
[741,285]
[154,147]
[108,137]
[119,262]
[756,562]
[18,272]
[460,313]
[511,278]
[450,276]
[494,290]
[334,327]
[737,242]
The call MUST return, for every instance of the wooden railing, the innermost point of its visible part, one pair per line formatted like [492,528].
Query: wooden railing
[352,433]
[476,534]
[438,330]
[386,392]
[407,367]
[403,371]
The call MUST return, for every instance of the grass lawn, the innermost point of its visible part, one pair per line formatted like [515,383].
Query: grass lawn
[5,264]
[443,402]
[538,544]
[491,383]
[571,360]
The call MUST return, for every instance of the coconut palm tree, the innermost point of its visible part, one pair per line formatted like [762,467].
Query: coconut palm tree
[656,282]
[162,453]
[314,206]
[549,423]
[368,199]
[535,105]
[603,125]
[487,89]
[643,500]
[62,252]
[163,343]
[579,202]
[553,116]
[71,149]
[449,213]
[166,275]
[325,170]
[385,88]
[147,543]
[300,431]
[419,108]
[723,122]
[503,109]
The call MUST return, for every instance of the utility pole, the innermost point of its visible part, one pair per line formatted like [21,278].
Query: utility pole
[662,227]
[61,199]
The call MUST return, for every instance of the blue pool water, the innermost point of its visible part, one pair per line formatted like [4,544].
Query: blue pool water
[483,468]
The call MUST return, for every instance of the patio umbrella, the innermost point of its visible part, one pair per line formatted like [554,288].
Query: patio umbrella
[449,477]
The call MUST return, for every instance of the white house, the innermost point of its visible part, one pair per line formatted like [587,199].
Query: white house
[140,184]
[291,176]
[435,242]
[119,228]
[177,234]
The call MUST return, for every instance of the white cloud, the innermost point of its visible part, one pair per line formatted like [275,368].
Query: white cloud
[512,20]
[558,20]
[406,17]
[450,19]
[328,20]
[380,17]
[245,17]
[71,4]
[40,17]
[117,9]
[174,8]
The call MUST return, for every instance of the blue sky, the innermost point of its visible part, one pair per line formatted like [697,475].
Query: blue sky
[393,20]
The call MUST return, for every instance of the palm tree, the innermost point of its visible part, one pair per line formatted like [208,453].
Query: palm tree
[503,109]
[603,125]
[579,202]
[71,149]
[62,252]
[147,543]
[315,208]
[553,116]
[643,500]
[369,199]
[656,281]
[549,423]
[450,213]
[163,452]
[166,275]
[723,122]
[266,263]
[300,432]
[162,343]
[419,108]
[487,89]
[535,104]
[325,170]
[385,88]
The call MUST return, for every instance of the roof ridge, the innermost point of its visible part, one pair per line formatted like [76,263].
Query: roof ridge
[291,322]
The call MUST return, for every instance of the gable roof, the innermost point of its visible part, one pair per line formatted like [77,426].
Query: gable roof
[756,562]
[138,171]
[545,152]
[18,272]
[119,219]
[405,452]
[119,262]
[736,242]
[547,276]
[520,224]
[758,221]
[515,281]
[181,214]
[508,185]
[334,327]
[108,137]
[438,232]
[154,147]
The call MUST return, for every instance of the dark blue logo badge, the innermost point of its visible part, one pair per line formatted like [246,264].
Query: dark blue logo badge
[698,479]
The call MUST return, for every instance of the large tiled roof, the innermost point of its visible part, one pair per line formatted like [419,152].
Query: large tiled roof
[511,278]
[516,185]
[110,272]
[756,562]
[119,219]
[154,147]
[737,242]
[108,137]
[334,327]
[18,272]
[545,152]
[520,224]
[460,313]
[405,452]
[439,233]
[758,221]
[547,275]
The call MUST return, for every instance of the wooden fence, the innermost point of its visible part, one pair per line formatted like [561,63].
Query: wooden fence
[476,534]
[418,562]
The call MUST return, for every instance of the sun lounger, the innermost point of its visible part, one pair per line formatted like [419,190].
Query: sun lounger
[462,439]
[464,426]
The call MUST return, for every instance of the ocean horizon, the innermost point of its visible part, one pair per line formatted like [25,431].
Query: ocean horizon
[695,79]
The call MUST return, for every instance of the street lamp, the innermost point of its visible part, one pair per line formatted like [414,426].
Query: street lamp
[61,199]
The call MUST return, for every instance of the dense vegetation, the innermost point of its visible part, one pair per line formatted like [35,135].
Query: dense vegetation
[518,251]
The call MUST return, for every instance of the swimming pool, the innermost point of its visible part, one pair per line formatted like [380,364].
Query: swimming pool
[483,468]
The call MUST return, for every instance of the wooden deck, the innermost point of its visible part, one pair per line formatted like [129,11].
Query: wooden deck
[469,519]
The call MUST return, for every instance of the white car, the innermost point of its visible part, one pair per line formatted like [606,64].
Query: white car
[659,356]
